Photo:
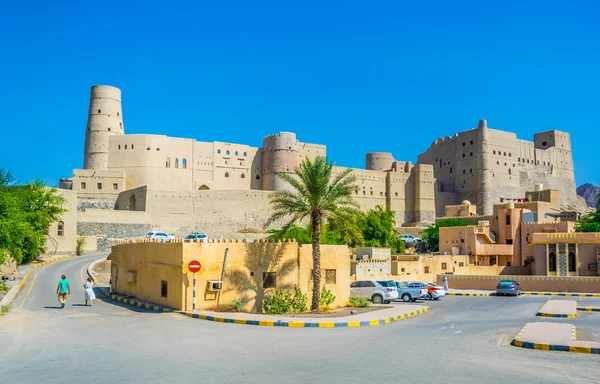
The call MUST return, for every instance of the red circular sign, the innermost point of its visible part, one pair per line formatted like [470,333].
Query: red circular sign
[194,266]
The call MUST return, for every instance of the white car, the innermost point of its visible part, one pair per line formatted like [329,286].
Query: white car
[378,291]
[439,291]
[410,239]
[159,235]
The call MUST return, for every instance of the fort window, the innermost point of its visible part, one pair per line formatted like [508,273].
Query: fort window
[131,146]
[168,162]
[543,143]
[269,280]
[99,111]
[440,163]
[119,147]
[244,154]
[99,186]
[226,174]
[147,149]
[176,163]
[509,241]
[115,186]
[464,171]
[183,163]
[125,146]
[444,266]
[464,155]
[108,129]
[243,176]
[118,113]
[471,142]
[121,125]
[371,193]
[509,171]
[330,276]
[158,149]
[464,143]
[227,152]
[552,262]
[396,194]
[364,193]
[218,151]
[470,170]
[497,162]
[380,193]
[494,152]
[426,269]
[504,153]
[471,154]
[507,219]
[164,288]
[257,177]
[450,169]
[461,264]
[83,185]
[61,228]
[527,161]
[505,164]
[509,154]
[572,262]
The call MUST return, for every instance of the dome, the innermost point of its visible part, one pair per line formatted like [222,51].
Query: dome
[465,202]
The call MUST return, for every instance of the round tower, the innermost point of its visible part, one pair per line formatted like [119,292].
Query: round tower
[280,154]
[105,118]
[379,161]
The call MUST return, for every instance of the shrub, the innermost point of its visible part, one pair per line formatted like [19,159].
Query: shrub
[3,286]
[277,303]
[299,301]
[4,309]
[79,245]
[360,302]
[237,304]
[327,298]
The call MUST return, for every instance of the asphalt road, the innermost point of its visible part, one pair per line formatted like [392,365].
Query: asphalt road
[462,340]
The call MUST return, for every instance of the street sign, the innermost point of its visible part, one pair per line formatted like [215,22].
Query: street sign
[194,266]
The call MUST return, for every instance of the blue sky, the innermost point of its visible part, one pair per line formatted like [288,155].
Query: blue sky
[357,76]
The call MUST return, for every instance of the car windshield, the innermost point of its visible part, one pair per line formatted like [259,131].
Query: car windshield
[189,237]
[386,283]
[202,236]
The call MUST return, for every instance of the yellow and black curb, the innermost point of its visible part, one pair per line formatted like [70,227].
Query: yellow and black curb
[558,315]
[589,309]
[265,323]
[563,294]
[467,294]
[517,342]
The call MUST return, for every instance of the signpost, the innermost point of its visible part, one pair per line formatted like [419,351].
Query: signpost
[194,266]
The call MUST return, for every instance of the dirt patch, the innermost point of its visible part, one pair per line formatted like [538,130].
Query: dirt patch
[102,272]
[338,312]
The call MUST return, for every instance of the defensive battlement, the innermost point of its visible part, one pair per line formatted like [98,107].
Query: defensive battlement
[202,241]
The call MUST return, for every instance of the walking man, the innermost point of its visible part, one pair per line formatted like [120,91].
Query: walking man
[445,282]
[63,289]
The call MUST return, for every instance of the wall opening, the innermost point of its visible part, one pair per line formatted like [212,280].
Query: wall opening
[243,176]
[203,187]
[61,228]
[552,262]
[184,163]
[132,202]
[168,162]
[176,162]
[572,262]
[164,288]
[226,174]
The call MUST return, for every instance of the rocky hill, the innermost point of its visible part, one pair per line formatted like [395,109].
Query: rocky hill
[588,192]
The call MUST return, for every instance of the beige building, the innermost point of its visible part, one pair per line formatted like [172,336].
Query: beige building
[115,161]
[483,165]
[157,272]
[566,254]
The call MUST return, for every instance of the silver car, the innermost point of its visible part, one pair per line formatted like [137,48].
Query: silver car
[410,290]
[378,291]
[508,287]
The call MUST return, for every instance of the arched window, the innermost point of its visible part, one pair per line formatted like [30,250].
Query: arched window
[227,152]
[183,163]
[108,129]
[168,162]
[99,111]
[147,149]
[243,176]
[176,163]
[226,174]
[572,262]
[236,153]
[157,149]
[244,154]
[203,188]
[61,228]
[552,262]
[218,151]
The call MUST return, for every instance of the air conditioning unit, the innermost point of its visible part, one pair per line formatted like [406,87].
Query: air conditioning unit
[215,285]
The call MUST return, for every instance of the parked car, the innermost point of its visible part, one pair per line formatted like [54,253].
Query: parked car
[410,239]
[196,235]
[159,235]
[508,287]
[378,291]
[438,293]
[410,290]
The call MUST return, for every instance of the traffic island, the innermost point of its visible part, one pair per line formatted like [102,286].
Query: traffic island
[553,337]
[559,308]
[367,319]
[589,309]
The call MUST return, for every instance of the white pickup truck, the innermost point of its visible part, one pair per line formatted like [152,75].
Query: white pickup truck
[410,290]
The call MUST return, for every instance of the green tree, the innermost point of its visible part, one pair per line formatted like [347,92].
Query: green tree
[317,194]
[431,235]
[26,212]
[378,229]
[590,222]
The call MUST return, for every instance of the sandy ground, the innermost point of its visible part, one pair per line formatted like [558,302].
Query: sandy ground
[102,272]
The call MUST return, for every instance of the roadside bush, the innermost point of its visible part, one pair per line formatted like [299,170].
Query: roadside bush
[359,302]
[3,286]
[299,301]
[277,303]
[327,298]
[4,309]
[237,304]
[79,245]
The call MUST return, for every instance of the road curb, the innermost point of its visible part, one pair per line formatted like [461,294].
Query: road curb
[90,268]
[516,342]
[558,315]
[266,323]
[565,294]
[589,309]
[467,294]
[14,291]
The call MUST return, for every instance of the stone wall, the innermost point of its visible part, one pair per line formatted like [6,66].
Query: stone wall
[113,230]
[84,203]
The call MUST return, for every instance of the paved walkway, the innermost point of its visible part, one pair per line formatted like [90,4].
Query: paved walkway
[553,337]
[559,308]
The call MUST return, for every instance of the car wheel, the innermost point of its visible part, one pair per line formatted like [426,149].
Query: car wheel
[377,299]
[406,298]
[386,302]
[436,298]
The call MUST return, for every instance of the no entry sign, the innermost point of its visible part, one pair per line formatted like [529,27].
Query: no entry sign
[194,266]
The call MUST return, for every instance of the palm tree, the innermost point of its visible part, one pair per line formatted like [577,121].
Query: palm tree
[316,194]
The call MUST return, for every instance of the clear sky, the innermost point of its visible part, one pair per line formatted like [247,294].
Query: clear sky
[357,76]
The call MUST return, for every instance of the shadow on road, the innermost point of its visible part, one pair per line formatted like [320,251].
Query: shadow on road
[59,307]
[101,297]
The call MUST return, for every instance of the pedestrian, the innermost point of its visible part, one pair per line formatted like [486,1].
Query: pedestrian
[89,291]
[445,282]
[63,289]
[430,291]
